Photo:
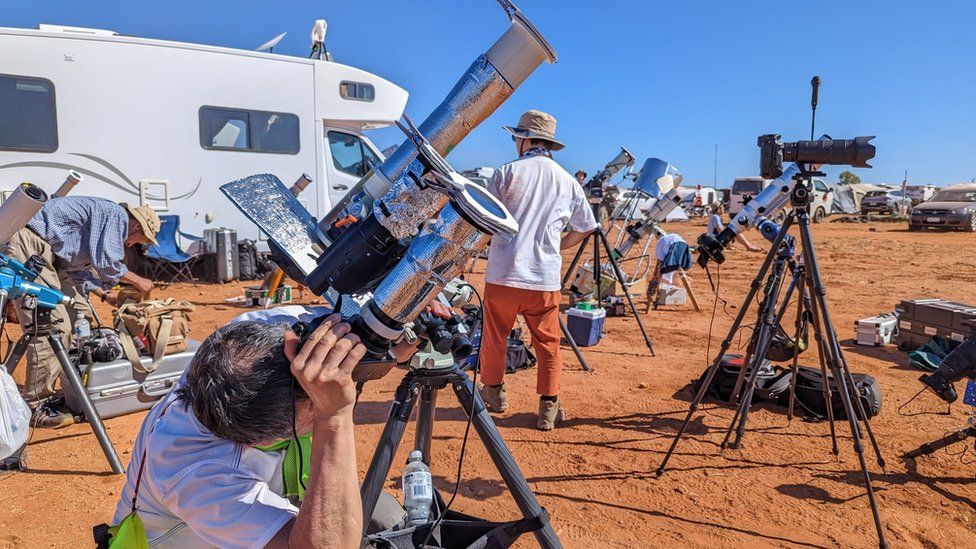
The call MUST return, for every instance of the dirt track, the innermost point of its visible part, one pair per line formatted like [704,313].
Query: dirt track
[596,474]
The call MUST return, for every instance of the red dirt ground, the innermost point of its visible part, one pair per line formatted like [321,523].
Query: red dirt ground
[595,475]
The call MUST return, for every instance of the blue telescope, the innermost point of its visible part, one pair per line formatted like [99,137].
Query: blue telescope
[18,281]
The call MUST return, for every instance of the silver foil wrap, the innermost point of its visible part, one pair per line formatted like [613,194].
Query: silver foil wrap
[479,92]
[442,251]
[266,201]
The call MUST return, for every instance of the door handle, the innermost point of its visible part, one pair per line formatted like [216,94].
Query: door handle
[340,188]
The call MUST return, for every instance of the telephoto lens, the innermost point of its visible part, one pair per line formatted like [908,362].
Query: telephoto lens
[837,152]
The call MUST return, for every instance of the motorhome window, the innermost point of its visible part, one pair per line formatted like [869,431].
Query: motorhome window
[350,155]
[357,91]
[28,117]
[246,130]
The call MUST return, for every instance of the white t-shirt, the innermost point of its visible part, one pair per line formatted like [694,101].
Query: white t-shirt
[715,224]
[198,490]
[544,199]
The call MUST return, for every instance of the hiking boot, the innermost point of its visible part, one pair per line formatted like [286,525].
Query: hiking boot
[495,398]
[52,415]
[550,414]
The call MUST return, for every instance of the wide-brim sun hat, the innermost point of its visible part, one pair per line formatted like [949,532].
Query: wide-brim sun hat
[536,125]
[147,219]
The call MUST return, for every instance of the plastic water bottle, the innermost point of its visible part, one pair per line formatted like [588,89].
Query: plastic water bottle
[418,489]
[82,329]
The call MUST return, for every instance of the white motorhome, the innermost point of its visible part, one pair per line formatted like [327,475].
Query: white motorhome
[166,123]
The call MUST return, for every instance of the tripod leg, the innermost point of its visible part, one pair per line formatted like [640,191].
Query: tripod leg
[425,421]
[602,238]
[504,461]
[837,364]
[598,268]
[726,344]
[54,339]
[691,293]
[767,319]
[572,264]
[386,447]
[572,344]
[17,353]
[822,352]
[799,282]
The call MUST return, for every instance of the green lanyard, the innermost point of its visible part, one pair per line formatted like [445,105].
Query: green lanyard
[294,463]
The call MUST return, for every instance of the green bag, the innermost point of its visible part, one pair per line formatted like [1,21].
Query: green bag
[128,534]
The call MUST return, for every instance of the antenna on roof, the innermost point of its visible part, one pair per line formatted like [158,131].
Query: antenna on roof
[270,44]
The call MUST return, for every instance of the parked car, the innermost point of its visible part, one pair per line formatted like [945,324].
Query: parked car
[744,188]
[886,202]
[953,207]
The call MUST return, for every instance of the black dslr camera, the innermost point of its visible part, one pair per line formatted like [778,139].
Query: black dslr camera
[841,152]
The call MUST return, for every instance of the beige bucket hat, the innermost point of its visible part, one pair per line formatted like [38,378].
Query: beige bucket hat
[536,125]
[147,219]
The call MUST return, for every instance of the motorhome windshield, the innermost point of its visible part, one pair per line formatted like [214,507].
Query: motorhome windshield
[746,186]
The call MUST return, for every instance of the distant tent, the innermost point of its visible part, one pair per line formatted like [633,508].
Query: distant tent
[847,198]
[844,200]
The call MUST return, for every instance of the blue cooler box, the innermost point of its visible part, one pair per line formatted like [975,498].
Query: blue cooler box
[585,325]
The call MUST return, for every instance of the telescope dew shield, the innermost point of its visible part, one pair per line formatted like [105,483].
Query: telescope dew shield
[69,183]
[487,83]
[656,177]
[25,201]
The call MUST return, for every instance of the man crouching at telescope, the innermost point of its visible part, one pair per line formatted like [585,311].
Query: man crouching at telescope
[219,461]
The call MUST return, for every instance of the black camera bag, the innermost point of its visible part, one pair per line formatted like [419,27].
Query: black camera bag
[769,383]
[517,355]
[810,396]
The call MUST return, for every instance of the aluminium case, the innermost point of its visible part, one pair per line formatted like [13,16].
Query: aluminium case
[116,388]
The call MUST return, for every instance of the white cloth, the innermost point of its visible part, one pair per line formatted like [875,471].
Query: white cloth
[198,490]
[544,199]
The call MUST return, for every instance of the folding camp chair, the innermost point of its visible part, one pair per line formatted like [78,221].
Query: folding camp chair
[167,258]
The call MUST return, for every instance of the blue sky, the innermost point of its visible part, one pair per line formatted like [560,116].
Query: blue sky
[664,79]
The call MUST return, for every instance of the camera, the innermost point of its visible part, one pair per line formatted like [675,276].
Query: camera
[960,363]
[838,152]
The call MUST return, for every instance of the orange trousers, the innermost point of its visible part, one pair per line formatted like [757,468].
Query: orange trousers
[540,310]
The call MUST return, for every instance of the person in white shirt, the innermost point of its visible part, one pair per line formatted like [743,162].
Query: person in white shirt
[219,461]
[523,273]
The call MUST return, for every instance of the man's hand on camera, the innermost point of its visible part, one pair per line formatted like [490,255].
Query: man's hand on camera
[323,366]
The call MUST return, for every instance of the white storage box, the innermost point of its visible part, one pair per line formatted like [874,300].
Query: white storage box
[668,294]
[876,331]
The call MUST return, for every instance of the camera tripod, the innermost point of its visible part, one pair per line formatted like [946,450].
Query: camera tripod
[812,296]
[600,239]
[425,383]
[44,329]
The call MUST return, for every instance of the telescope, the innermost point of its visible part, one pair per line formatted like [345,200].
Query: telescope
[69,183]
[854,152]
[25,201]
[596,183]
[413,223]
[657,178]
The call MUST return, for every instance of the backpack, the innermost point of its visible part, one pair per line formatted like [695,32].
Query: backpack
[517,355]
[809,394]
[163,323]
[769,382]
[247,254]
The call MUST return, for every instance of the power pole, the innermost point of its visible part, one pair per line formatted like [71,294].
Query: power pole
[715,173]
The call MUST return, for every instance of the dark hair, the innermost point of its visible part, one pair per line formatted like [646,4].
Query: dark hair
[580,172]
[240,385]
[539,143]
